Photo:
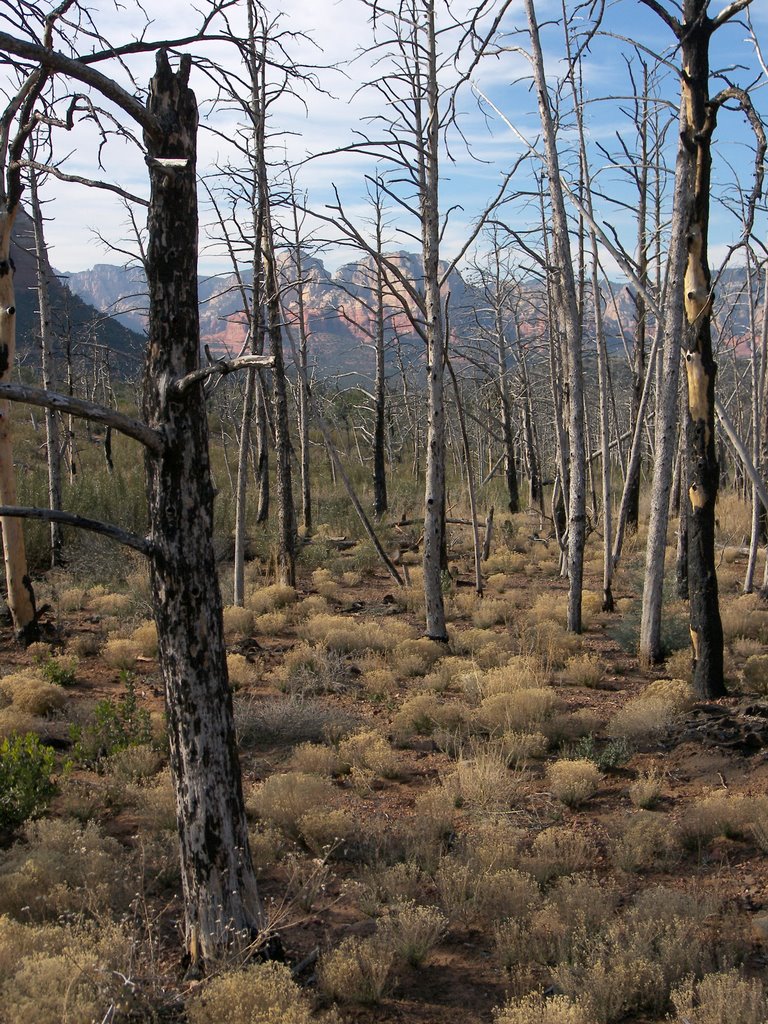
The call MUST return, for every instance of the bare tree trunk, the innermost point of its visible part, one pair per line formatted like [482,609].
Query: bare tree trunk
[21,599]
[568,305]
[434,498]
[666,415]
[220,896]
[52,442]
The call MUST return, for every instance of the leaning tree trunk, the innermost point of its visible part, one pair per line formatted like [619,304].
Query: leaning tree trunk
[219,885]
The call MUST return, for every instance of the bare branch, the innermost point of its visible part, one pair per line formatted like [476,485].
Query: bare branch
[85,410]
[729,12]
[221,366]
[116,533]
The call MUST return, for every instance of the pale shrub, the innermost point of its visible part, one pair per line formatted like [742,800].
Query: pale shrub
[315,759]
[63,867]
[678,692]
[647,788]
[583,670]
[558,851]
[423,713]
[30,695]
[492,844]
[521,672]
[745,616]
[135,764]
[240,671]
[14,720]
[238,622]
[492,612]
[717,814]
[73,599]
[521,747]
[342,633]
[505,893]
[145,638]
[515,712]
[357,971]
[538,1009]
[259,994]
[85,645]
[271,623]
[412,931]
[725,997]
[646,841]
[415,657]
[310,669]
[642,719]
[121,654]
[325,829]
[679,664]
[68,975]
[156,803]
[267,599]
[369,750]
[755,674]
[119,605]
[282,799]
[573,782]
[482,779]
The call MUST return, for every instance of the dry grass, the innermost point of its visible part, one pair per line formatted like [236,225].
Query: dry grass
[315,759]
[288,720]
[268,599]
[755,674]
[357,971]
[583,670]
[643,719]
[121,654]
[30,695]
[412,931]
[145,638]
[745,616]
[308,670]
[724,997]
[573,782]
[538,1009]
[558,851]
[284,798]
[645,842]
[521,672]
[516,712]
[342,633]
[259,994]
[423,714]
[238,622]
[240,671]
[62,868]
[647,788]
[64,975]
[482,780]
[522,747]
[369,751]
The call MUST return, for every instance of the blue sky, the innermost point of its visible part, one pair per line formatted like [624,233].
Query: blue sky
[339,31]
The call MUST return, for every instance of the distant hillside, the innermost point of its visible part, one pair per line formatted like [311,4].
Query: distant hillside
[340,323]
[75,322]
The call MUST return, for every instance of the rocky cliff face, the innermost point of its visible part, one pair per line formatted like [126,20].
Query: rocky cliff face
[339,314]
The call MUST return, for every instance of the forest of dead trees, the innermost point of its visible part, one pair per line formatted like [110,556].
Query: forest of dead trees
[552,386]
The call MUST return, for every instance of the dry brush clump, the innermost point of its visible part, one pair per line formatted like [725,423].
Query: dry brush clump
[284,798]
[66,974]
[28,694]
[538,1009]
[573,782]
[259,994]
[722,997]
[357,971]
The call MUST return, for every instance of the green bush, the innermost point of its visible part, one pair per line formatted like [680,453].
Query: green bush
[116,725]
[26,785]
[59,671]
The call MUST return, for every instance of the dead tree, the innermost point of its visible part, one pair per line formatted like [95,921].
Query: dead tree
[222,912]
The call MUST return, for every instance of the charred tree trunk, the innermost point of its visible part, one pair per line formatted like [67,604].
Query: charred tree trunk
[702,465]
[219,885]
